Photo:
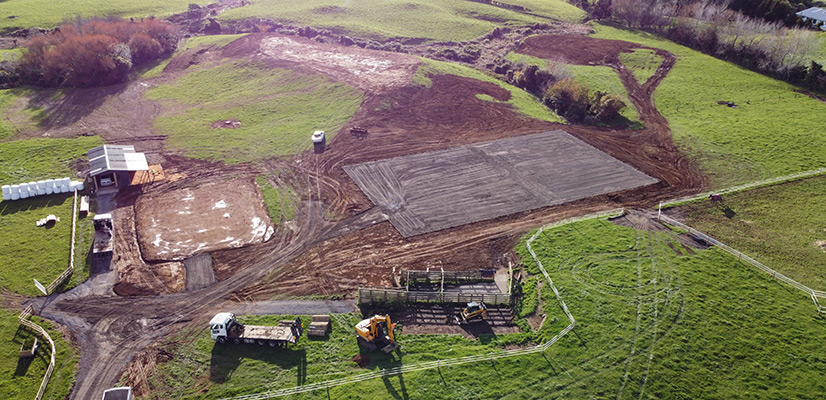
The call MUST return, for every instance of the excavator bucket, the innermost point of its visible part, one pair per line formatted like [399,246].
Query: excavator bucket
[390,347]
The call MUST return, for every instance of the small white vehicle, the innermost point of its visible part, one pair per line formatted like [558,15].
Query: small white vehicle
[318,137]
[225,328]
[118,393]
[104,234]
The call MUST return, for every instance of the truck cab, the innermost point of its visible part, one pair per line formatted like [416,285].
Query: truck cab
[220,325]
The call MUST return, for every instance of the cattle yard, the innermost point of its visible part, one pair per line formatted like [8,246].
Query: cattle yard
[450,177]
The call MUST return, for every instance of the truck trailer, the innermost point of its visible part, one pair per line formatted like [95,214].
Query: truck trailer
[226,329]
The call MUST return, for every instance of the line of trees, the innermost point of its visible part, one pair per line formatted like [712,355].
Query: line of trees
[95,52]
[713,28]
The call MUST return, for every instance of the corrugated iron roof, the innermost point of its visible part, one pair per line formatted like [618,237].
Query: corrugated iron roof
[816,13]
[115,158]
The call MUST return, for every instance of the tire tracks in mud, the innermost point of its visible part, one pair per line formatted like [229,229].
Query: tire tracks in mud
[111,330]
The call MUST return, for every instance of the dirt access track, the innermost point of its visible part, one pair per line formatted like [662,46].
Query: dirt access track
[323,255]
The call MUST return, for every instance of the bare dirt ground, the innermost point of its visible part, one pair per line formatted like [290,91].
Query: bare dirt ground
[338,242]
[371,70]
[174,225]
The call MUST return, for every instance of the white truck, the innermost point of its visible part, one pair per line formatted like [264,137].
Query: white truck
[118,393]
[104,233]
[226,329]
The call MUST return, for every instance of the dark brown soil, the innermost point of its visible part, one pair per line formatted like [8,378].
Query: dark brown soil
[577,49]
[329,249]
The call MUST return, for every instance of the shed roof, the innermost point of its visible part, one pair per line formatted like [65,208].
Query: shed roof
[115,158]
[815,13]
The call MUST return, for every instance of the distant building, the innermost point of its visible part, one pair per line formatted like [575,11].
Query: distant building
[816,15]
[112,164]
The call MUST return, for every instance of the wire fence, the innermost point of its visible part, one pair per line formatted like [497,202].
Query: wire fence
[71,268]
[746,186]
[24,320]
[814,294]
[490,356]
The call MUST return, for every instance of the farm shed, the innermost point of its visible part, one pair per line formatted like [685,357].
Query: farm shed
[111,164]
[816,15]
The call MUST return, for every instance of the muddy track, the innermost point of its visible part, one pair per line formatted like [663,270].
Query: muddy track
[321,256]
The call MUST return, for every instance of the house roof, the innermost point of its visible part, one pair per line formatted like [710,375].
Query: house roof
[815,13]
[109,157]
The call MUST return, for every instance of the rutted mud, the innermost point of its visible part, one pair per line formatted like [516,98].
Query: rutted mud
[328,248]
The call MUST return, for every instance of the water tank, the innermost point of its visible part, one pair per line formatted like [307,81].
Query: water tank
[65,182]
[24,190]
[41,187]
[49,186]
[6,192]
[32,189]
[15,192]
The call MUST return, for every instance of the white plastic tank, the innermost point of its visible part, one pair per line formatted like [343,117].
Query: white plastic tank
[15,192]
[24,190]
[76,185]
[6,192]
[41,187]
[49,186]
[80,185]
[64,189]
[65,182]
[32,189]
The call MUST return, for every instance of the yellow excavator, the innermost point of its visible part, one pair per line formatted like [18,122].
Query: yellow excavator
[474,312]
[377,333]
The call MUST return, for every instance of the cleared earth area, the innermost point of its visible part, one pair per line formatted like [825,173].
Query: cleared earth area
[432,191]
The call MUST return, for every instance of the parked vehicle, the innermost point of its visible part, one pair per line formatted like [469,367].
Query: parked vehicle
[225,328]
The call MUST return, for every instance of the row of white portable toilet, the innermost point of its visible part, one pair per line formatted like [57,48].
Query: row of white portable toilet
[39,188]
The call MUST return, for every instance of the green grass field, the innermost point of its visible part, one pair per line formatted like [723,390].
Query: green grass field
[643,62]
[48,14]
[280,201]
[189,43]
[21,380]
[430,19]
[773,132]
[523,102]
[199,368]
[18,115]
[31,252]
[651,323]
[278,110]
[776,225]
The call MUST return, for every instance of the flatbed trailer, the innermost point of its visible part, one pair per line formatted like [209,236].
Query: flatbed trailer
[226,329]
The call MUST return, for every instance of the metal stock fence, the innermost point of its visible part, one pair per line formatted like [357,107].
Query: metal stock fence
[380,295]
[450,361]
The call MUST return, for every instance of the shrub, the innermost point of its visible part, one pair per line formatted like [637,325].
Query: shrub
[95,52]
[577,103]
